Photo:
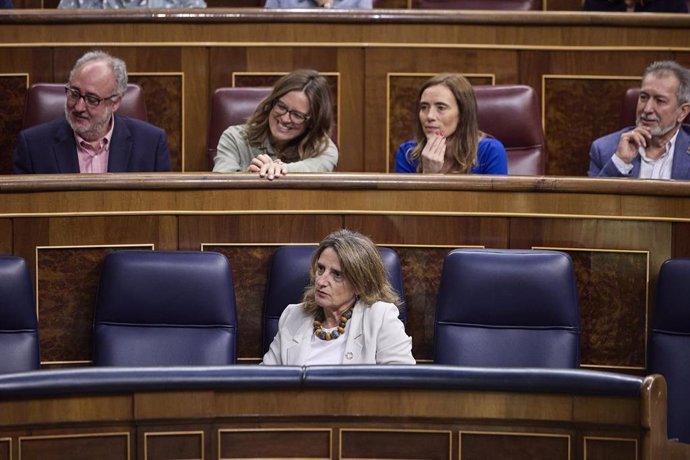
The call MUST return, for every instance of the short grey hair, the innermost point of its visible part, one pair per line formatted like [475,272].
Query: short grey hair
[118,67]
[681,73]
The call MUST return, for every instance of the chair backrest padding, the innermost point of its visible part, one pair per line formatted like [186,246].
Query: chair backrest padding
[165,308]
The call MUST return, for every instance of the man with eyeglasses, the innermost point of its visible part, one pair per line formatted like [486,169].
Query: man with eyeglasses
[92,138]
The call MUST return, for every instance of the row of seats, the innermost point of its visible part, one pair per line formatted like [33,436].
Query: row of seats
[178,307]
[496,308]
[509,112]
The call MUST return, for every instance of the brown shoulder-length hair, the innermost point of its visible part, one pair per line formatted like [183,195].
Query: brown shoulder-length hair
[465,139]
[361,265]
[314,140]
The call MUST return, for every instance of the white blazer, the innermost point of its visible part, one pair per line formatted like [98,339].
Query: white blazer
[376,336]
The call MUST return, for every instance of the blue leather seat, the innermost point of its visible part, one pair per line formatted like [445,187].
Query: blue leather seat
[507,308]
[18,323]
[669,352]
[165,308]
[289,276]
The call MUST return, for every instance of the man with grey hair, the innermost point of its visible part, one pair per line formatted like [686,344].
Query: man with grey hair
[658,147]
[92,138]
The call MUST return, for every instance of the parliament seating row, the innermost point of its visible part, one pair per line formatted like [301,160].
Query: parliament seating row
[165,308]
[508,112]
[496,308]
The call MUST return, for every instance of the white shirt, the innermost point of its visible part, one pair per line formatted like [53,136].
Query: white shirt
[327,351]
[651,169]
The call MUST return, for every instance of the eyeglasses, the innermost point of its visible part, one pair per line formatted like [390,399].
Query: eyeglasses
[90,99]
[296,117]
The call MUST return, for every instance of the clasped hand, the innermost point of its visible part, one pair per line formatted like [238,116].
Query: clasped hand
[267,167]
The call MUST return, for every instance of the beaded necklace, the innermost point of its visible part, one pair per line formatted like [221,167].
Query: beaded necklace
[337,332]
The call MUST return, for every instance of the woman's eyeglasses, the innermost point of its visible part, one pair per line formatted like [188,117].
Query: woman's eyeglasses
[296,117]
[90,99]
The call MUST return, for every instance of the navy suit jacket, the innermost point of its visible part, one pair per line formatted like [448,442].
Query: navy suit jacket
[603,149]
[50,148]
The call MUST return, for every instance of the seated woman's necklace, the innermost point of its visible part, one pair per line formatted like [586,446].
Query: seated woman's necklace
[337,332]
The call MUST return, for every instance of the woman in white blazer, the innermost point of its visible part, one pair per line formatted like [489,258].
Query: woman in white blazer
[348,314]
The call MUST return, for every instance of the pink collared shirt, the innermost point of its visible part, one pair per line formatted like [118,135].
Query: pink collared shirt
[93,156]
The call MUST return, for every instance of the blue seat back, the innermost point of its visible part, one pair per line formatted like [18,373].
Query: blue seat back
[289,276]
[507,308]
[18,323]
[165,308]
[669,352]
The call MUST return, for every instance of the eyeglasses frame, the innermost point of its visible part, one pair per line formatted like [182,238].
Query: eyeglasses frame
[291,113]
[70,93]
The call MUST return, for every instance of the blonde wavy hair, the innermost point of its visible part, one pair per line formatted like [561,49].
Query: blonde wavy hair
[361,265]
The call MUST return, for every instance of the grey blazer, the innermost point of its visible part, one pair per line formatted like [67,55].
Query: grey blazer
[376,336]
[600,164]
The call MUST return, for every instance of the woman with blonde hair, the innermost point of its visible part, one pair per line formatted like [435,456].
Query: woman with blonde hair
[288,132]
[348,313]
[448,139]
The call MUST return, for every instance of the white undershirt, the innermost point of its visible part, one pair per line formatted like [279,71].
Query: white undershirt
[660,168]
[327,351]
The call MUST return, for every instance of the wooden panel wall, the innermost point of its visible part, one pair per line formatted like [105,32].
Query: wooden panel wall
[579,63]
[336,422]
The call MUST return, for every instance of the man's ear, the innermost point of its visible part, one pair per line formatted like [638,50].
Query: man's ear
[116,103]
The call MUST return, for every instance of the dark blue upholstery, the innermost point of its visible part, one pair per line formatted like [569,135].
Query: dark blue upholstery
[507,308]
[521,380]
[110,380]
[104,380]
[18,324]
[669,352]
[165,308]
[289,276]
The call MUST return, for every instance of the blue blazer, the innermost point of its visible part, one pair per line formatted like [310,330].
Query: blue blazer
[50,148]
[603,149]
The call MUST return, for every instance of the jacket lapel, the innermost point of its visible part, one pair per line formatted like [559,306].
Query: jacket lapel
[65,149]
[297,351]
[355,337]
[636,167]
[681,156]
[120,147]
